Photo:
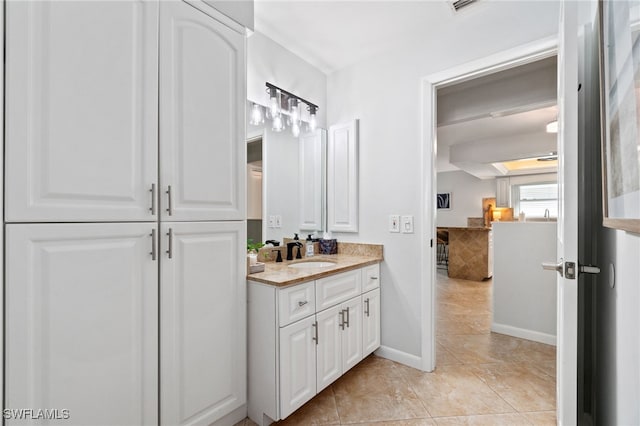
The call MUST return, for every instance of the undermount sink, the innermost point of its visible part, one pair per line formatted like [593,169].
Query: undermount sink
[312,265]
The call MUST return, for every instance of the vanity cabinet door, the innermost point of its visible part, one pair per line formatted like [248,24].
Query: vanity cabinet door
[81,111]
[370,321]
[82,322]
[329,346]
[202,102]
[202,321]
[352,333]
[297,365]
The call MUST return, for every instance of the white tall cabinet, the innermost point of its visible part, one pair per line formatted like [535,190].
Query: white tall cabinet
[126,120]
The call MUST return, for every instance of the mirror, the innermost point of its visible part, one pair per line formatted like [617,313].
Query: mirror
[285,183]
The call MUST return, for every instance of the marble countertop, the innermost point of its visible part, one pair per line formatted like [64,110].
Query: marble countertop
[465,228]
[280,275]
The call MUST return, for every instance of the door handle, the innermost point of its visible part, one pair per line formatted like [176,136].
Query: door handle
[341,321]
[169,201]
[552,266]
[152,209]
[315,326]
[366,306]
[347,320]
[153,244]
[170,245]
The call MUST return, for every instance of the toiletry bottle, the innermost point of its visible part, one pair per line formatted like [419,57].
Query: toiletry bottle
[309,244]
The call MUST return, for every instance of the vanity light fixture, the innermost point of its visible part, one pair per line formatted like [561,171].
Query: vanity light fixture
[552,127]
[279,97]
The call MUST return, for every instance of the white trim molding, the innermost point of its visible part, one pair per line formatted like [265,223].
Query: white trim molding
[399,356]
[524,333]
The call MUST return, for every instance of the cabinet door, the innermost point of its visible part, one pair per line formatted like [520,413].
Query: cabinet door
[342,177]
[82,321]
[503,192]
[329,368]
[370,322]
[81,111]
[352,333]
[202,102]
[297,365]
[203,321]
[311,182]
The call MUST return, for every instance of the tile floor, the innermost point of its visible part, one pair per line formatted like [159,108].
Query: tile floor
[482,378]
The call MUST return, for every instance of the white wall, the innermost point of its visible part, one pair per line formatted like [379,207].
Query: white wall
[524,295]
[384,92]
[240,11]
[618,334]
[269,61]
[467,193]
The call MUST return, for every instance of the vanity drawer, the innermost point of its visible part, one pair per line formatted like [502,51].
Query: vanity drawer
[337,288]
[296,302]
[370,277]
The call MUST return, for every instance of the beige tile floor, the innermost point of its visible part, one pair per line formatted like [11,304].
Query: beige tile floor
[482,378]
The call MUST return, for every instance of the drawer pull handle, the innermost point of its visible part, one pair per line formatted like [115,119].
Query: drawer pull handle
[301,303]
[374,278]
[366,308]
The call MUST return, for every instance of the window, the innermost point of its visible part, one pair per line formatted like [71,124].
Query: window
[535,199]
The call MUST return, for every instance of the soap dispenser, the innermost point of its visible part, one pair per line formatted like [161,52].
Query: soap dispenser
[309,245]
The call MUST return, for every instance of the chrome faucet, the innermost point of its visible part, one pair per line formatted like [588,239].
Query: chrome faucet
[547,214]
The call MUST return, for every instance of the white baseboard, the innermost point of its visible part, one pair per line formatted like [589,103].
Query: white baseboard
[523,333]
[399,356]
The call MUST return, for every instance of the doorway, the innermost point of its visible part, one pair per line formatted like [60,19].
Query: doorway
[431,85]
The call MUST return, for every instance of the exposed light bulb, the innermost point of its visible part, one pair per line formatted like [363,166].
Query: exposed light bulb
[295,129]
[257,118]
[273,102]
[552,127]
[277,124]
[293,109]
[313,121]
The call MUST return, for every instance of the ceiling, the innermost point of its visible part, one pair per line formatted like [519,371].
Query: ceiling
[334,34]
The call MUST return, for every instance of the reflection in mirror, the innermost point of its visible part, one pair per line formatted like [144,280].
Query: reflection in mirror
[279,171]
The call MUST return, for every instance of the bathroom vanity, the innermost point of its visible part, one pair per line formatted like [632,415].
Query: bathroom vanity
[307,326]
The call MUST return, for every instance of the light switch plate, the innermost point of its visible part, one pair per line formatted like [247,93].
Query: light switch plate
[278,221]
[394,223]
[407,224]
[272,221]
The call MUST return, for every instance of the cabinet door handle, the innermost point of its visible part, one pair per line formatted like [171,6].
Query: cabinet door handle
[170,245]
[347,321]
[301,303]
[315,326]
[341,321]
[152,209]
[366,306]
[374,278]
[153,244]
[169,201]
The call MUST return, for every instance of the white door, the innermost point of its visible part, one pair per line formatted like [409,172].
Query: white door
[567,242]
[297,365]
[81,111]
[311,182]
[203,321]
[82,322]
[329,350]
[370,322]
[352,333]
[202,116]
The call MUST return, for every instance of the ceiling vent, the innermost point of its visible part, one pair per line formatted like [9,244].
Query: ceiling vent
[457,5]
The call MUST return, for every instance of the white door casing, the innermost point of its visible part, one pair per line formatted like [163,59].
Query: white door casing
[202,116]
[203,321]
[82,321]
[81,115]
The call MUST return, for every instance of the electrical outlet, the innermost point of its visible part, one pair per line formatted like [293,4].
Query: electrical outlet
[278,221]
[394,223]
[407,224]
[272,221]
